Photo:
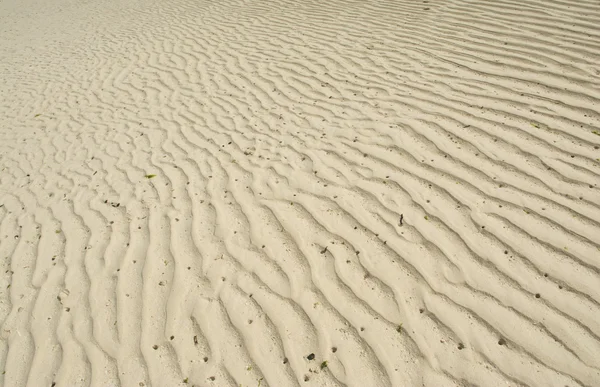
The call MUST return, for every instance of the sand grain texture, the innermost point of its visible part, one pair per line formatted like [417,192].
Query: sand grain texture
[204,193]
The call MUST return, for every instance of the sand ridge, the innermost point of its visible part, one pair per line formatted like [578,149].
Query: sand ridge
[289,193]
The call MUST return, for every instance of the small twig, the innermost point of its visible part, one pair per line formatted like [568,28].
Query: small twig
[401,219]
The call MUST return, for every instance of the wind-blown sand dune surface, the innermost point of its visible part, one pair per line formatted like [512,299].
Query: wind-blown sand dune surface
[300,193]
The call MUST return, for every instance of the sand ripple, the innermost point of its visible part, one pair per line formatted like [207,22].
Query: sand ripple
[289,193]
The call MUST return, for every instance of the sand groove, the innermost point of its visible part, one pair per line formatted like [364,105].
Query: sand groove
[207,192]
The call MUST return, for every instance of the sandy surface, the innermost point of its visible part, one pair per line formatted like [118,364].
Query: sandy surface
[205,193]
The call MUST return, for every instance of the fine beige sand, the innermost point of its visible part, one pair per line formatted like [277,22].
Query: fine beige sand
[299,193]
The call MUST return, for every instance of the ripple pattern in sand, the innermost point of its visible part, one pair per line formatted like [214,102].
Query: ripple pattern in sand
[206,193]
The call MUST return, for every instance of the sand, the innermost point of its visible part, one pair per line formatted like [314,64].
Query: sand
[299,193]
